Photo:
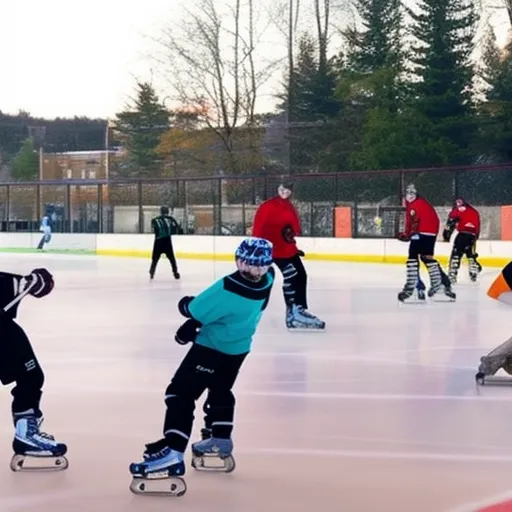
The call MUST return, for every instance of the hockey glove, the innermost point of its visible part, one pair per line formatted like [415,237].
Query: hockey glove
[403,237]
[288,235]
[447,233]
[188,332]
[41,282]
[183,306]
[301,254]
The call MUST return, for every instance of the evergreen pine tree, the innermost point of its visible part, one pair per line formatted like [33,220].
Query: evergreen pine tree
[141,127]
[443,78]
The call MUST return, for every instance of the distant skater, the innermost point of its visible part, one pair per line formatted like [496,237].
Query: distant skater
[46,229]
[163,226]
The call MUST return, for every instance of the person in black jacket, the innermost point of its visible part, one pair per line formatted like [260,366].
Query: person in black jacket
[163,226]
[32,448]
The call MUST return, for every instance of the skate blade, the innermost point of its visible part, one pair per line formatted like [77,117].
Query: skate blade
[493,380]
[41,463]
[305,329]
[213,463]
[163,485]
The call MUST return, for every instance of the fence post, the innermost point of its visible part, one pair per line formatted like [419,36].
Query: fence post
[140,208]
[67,208]
[8,208]
[100,208]
[38,205]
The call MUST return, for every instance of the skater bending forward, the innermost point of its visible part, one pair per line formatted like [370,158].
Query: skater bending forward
[421,229]
[500,357]
[221,322]
[33,449]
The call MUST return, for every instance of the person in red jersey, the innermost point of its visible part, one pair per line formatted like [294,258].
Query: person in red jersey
[466,220]
[421,229]
[277,220]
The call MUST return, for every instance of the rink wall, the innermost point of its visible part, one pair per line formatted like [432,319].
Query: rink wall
[221,248]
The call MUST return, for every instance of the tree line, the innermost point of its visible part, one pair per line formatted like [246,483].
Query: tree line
[398,87]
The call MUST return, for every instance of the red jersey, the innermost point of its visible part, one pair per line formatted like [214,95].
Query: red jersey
[421,218]
[270,220]
[466,218]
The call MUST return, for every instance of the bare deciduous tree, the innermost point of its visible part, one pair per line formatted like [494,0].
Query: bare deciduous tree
[212,61]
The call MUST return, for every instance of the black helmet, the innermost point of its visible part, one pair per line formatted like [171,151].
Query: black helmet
[164,210]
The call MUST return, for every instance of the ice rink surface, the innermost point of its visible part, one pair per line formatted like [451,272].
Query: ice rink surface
[378,413]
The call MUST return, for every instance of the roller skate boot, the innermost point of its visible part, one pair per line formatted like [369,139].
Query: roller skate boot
[160,472]
[298,318]
[35,450]
[213,454]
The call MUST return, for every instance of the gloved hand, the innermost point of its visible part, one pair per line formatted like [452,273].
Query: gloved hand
[183,305]
[41,282]
[288,235]
[301,254]
[188,332]
[403,237]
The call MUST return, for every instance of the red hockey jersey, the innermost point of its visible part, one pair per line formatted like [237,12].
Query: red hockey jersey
[271,218]
[467,219]
[421,218]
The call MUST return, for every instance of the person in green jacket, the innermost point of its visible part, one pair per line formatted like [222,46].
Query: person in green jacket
[163,226]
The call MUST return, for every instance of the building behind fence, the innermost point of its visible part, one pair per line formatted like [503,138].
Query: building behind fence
[226,205]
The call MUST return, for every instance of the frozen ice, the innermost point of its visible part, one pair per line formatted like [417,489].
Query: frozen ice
[380,412]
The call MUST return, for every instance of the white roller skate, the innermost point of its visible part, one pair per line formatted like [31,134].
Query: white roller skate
[159,474]
[299,319]
[213,454]
[35,450]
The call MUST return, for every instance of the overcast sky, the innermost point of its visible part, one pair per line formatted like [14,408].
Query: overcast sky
[64,57]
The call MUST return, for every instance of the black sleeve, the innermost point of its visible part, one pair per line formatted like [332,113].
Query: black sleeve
[272,273]
[9,288]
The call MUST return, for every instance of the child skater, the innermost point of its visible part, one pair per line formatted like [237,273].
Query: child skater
[33,449]
[221,322]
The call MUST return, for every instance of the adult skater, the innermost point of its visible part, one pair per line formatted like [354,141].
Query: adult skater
[466,219]
[421,229]
[277,221]
[163,226]
[221,322]
[33,449]
[46,229]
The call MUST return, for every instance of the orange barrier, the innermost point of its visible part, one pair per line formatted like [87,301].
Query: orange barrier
[343,222]
[506,222]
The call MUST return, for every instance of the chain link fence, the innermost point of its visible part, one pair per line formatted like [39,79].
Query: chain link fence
[226,205]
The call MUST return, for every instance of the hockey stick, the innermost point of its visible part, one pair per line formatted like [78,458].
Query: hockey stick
[18,297]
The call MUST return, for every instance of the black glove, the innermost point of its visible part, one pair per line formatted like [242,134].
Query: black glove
[301,254]
[447,233]
[288,235]
[41,282]
[403,237]
[183,306]
[188,332]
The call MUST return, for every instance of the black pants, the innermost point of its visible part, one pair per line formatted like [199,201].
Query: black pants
[202,369]
[295,280]
[423,248]
[19,364]
[163,246]
[464,244]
